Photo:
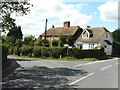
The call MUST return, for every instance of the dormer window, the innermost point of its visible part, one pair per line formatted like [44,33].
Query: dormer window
[85,34]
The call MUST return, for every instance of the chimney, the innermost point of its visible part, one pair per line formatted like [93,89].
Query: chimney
[53,26]
[67,24]
[88,26]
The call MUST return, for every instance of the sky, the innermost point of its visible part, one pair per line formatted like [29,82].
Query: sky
[79,13]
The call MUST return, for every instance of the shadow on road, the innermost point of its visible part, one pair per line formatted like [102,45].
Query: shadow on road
[10,69]
[39,77]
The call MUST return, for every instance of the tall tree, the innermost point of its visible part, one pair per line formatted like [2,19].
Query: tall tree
[116,35]
[29,40]
[7,8]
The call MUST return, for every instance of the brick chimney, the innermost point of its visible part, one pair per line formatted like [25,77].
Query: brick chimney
[67,24]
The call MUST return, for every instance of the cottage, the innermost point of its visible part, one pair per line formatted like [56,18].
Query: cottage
[54,33]
[94,37]
[87,38]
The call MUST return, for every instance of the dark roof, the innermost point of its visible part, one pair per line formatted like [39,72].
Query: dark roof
[62,30]
[108,42]
[97,33]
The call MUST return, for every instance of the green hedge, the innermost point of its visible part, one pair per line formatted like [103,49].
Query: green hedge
[26,51]
[45,52]
[56,52]
[37,51]
[116,49]
[93,53]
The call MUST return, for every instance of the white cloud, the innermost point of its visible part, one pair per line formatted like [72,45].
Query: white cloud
[55,11]
[109,11]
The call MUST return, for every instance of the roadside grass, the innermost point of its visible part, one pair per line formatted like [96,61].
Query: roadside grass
[61,59]
[64,58]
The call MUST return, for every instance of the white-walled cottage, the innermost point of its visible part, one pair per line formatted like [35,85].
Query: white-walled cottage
[94,37]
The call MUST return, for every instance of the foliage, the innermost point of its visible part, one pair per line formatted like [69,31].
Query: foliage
[46,43]
[7,8]
[38,42]
[116,49]
[55,43]
[19,43]
[70,40]
[56,52]
[45,52]
[93,53]
[16,50]
[29,40]
[62,39]
[15,32]
[37,51]
[26,50]
[116,35]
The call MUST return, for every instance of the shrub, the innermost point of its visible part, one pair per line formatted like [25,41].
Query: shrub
[37,51]
[116,49]
[16,50]
[56,52]
[55,43]
[93,53]
[26,50]
[45,52]
[10,50]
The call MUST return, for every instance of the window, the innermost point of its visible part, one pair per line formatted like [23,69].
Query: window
[91,46]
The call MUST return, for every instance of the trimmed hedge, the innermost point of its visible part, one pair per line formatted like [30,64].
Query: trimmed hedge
[26,50]
[45,52]
[116,49]
[56,52]
[37,51]
[93,53]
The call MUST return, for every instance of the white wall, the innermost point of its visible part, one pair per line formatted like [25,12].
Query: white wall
[108,48]
[85,45]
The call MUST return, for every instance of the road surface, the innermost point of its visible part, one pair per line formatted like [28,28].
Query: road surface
[63,74]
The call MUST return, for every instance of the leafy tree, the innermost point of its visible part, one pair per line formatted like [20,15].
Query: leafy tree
[29,40]
[15,32]
[7,8]
[70,40]
[62,39]
[116,35]
[38,42]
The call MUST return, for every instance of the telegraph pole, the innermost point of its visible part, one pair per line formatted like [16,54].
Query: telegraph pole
[45,29]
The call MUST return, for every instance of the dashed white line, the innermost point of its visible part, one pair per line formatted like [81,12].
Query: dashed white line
[81,79]
[90,63]
[106,67]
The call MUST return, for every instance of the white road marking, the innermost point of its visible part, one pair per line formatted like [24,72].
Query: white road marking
[81,79]
[106,67]
[90,63]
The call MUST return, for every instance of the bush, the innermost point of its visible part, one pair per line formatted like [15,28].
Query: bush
[37,51]
[56,52]
[55,43]
[10,50]
[26,50]
[93,53]
[16,50]
[116,49]
[45,52]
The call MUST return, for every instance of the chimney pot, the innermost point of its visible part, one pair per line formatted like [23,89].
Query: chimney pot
[67,24]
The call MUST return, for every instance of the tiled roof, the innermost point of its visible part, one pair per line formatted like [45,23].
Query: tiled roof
[62,30]
[97,33]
